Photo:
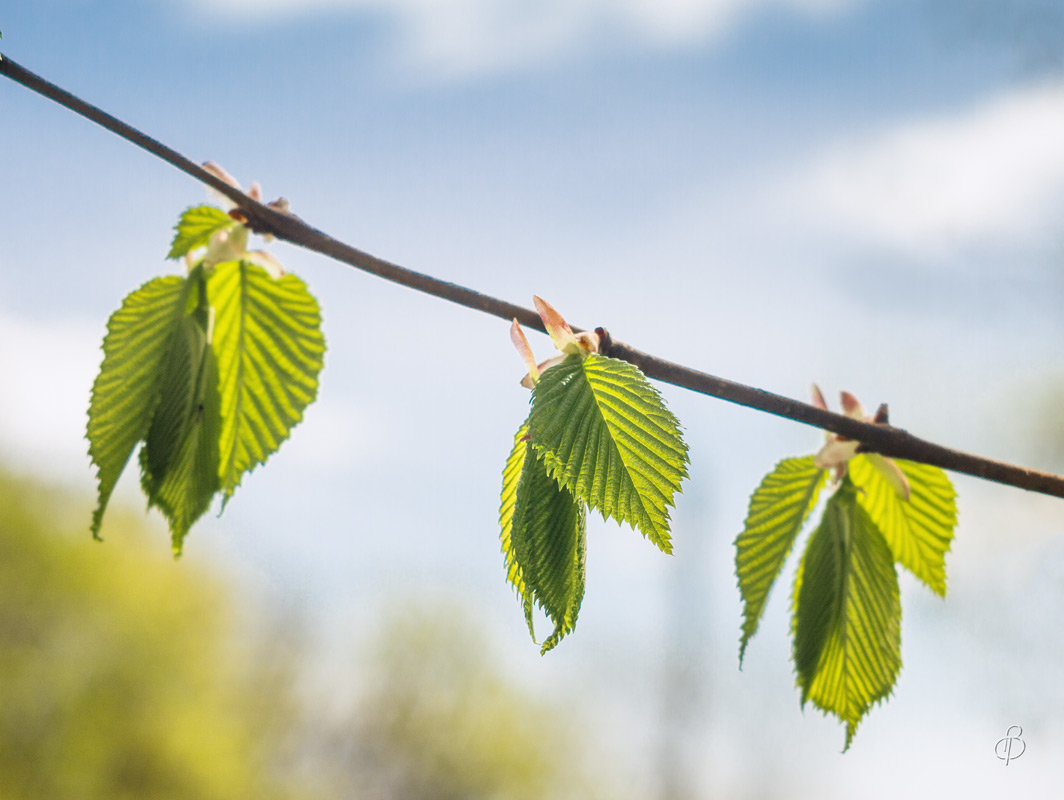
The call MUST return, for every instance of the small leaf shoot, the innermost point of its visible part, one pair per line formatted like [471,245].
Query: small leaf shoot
[598,435]
[847,619]
[209,372]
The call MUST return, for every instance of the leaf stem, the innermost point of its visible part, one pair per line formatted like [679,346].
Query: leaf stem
[881,438]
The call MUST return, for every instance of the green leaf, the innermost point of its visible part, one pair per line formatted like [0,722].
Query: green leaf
[195,228]
[544,540]
[178,384]
[778,509]
[920,531]
[126,391]
[847,613]
[270,349]
[179,460]
[511,477]
[605,434]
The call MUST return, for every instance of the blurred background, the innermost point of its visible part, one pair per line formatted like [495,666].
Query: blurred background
[861,193]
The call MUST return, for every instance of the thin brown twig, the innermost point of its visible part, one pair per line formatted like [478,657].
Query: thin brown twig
[881,438]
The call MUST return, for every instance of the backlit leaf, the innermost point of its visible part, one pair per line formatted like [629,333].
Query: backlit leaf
[920,531]
[269,346]
[195,228]
[605,434]
[126,391]
[210,372]
[179,460]
[511,477]
[544,541]
[778,509]
[847,613]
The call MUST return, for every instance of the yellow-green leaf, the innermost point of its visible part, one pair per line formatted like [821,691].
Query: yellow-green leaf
[847,613]
[778,509]
[268,342]
[511,477]
[179,460]
[605,434]
[919,531]
[126,391]
[544,540]
[210,372]
[196,227]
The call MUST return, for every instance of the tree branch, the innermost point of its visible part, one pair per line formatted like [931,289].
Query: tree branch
[881,438]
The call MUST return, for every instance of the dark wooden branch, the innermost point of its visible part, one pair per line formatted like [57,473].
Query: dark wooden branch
[881,438]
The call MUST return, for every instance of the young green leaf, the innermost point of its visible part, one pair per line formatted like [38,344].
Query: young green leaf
[605,434]
[270,349]
[182,489]
[847,613]
[211,372]
[179,460]
[178,386]
[778,509]
[919,531]
[195,228]
[511,477]
[126,391]
[544,540]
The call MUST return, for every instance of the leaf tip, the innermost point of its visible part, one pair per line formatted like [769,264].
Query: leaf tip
[97,518]
[851,731]
[560,630]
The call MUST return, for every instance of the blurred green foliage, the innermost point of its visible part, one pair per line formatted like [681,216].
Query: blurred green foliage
[436,719]
[122,672]
[126,674]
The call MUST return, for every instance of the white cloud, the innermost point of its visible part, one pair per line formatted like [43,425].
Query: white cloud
[48,369]
[990,174]
[337,434]
[461,38]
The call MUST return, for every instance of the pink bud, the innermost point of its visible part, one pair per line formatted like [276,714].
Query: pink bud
[517,336]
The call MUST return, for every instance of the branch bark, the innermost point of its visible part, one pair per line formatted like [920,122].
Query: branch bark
[880,438]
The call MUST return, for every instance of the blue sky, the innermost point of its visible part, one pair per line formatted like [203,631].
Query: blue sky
[860,193]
